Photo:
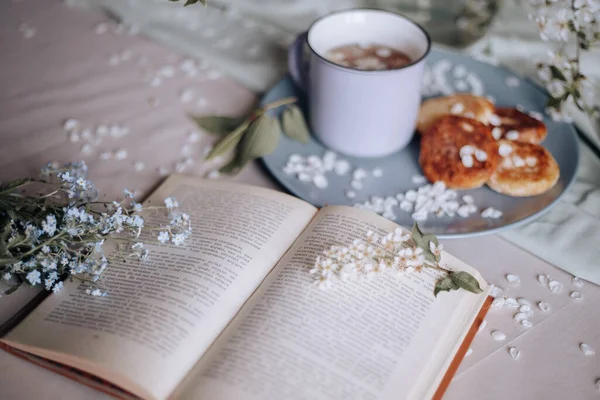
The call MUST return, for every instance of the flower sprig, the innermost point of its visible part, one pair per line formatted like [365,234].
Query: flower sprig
[397,252]
[253,135]
[573,26]
[59,232]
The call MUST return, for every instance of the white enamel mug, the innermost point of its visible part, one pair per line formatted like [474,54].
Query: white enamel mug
[356,112]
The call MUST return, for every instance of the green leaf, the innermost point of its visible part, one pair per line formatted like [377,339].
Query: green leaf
[12,289]
[422,241]
[12,186]
[229,142]
[232,167]
[4,237]
[557,74]
[445,284]
[218,125]
[294,124]
[262,138]
[466,281]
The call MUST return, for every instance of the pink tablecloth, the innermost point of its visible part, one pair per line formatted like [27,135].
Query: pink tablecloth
[63,70]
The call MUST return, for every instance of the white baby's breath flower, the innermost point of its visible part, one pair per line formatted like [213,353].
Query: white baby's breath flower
[49,225]
[7,276]
[34,277]
[57,287]
[163,237]
[178,239]
[171,203]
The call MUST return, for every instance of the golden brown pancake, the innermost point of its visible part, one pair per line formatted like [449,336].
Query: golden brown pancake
[525,169]
[441,147]
[518,126]
[459,104]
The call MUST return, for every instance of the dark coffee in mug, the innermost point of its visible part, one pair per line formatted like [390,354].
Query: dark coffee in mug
[368,57]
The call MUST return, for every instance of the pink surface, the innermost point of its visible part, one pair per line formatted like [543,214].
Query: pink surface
[63,72]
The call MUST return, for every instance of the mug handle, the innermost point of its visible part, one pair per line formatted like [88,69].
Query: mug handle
[296,62]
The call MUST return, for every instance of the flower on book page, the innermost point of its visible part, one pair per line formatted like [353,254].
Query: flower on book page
[59,232]
[397,252]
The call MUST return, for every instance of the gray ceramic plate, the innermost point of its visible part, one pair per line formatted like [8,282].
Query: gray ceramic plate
[447,72]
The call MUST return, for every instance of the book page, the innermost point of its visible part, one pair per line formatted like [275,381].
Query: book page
[368,339]
[160,315]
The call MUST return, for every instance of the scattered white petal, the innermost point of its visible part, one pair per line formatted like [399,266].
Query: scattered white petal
[377,172]
[139,166]
[577,281]
[350,194]
[496,292]
[497,335]
[357,185]
[70,124]
[523,302]
[467,161]
[497,133]
[105,155]
[511,302]
[482,325]
[101,28]
[121,154]
[542,305]
[418,179]
[163,171]
[576,295]
[202,102]
[514,352]
[498,302]
[480,155]
[512,135]
[193,137]
[543,279]
[513,279]
[555,286]
[186,96]
[520,316]
[526,324]
[467,198]
[320,181]
[587,349]
[466,150]
[213,174]
[494,120]
[457,108]
[341,167]
[87,148]
[74,137]
[512,81]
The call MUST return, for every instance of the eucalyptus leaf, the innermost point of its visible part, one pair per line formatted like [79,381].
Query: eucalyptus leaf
[294,124]
[466,281]
[232,166]
[217,124]
[445,284]
[229,142]
[262,138]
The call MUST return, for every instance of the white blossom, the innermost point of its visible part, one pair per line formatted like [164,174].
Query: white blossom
[163,237]
[34,277]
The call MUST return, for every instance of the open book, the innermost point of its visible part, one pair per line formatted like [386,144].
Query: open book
[234,313]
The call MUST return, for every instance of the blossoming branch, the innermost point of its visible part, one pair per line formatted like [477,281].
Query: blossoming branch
[59,233]
[573,26]
[397,252]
